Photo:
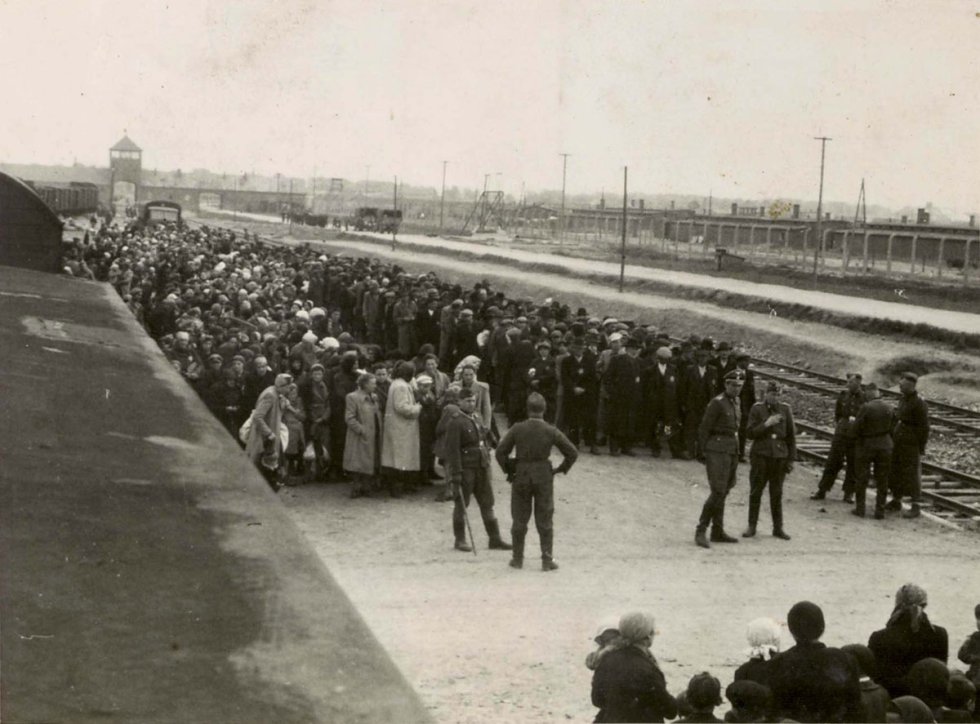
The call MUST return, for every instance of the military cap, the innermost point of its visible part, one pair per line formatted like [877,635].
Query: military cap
[910,376]
[724,347]
[735,375]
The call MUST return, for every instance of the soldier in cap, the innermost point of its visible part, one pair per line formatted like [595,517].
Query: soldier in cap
[468,469]
[872,430]
[910,436]
[718,440]
[773,434]
[532,478]
[844,442]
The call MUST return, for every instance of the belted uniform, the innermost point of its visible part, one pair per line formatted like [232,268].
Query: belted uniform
[873,428]
[773,452]
[844,444]
[468,466]
[532,479]
[910,435]
[718,439]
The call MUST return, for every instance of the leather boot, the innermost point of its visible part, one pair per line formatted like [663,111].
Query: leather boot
[547,542]
[750,531]
[701,538]
[912,512]
[517,558]
[459,531]
[496,542]
[720,536]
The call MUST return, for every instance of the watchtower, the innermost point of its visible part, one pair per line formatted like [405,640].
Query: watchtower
[126,167]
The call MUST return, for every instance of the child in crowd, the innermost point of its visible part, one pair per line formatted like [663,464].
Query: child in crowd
[606,634]
[703,695]
[961,697]
[751,702]
[969,652]
[874,698]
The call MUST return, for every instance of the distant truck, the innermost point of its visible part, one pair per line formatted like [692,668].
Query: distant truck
[160,212]
[370,218]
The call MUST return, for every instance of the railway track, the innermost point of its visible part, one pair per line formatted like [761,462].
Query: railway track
[958,419]
[949,494]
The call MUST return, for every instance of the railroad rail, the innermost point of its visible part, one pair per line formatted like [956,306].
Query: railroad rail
[949,494]
[959,419]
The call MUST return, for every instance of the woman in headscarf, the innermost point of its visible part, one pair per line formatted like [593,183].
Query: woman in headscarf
[263,443]
[400,451]
[908,637]
[763,637]
[628,686]
[362,451]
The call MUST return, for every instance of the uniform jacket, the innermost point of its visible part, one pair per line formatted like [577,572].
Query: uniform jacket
[718,431]
[911,422]
[401,448]
[627,686]
[364,426]
[873,425]
[466,445]
[533,438]
[777,441]
[847,406]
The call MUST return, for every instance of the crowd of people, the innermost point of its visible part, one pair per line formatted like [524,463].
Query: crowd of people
[901,674]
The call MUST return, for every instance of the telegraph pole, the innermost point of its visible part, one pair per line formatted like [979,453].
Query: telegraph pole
[394,218]
[367,175]
[442,199]
[622,249]
[561,221]
[290,205]
[819,241]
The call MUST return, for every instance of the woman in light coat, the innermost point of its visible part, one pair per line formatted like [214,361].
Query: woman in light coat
[362,451]
[400,452]
[263,446]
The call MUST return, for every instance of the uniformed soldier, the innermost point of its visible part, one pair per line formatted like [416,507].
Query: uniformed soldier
[718,439]
[910,437]
[532,478]
[844,443]
[773,434]
[872,428]
[468,470]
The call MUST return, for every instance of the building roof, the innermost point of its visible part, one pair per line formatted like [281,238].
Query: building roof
[125,144]
[41,174]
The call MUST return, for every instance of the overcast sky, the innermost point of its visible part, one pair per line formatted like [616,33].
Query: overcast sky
[693,96]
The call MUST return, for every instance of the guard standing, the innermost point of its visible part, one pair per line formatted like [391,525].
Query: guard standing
[910,436]
[844,443]
[773,434]
[718,439]
[468,470]
[532,478]
[873,428]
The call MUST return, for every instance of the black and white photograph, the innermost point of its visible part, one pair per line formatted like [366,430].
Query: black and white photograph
[448,361]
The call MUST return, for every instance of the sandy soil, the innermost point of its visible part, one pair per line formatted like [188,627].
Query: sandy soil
[483,642]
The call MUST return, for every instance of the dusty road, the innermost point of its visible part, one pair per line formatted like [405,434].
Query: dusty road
[483,642]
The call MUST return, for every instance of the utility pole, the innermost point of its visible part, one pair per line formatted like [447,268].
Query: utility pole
[290,207]
[561,220]
[367,175]
[442,199]
[394,217]
[819,241]
[622,249]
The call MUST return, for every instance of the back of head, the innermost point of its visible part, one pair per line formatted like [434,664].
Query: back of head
[635,627]
[961,692]
[750,700]
[704,691]
[805,622]
[536,404]
[863,658]
[910,709]
[928,680]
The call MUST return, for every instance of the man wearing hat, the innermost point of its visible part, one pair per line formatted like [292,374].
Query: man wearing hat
[844,443]
[542,377]
[661,404]
[773,434]
[723,363]
[718,440]
[910,437]
[468,469]
[532,478]
[698,384]
[581,387]
[621,386]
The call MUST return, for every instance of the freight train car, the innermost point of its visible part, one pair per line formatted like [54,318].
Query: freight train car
[71,199]
[30,232]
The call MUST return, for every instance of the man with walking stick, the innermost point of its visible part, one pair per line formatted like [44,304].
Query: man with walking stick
[468,470]
[532,478]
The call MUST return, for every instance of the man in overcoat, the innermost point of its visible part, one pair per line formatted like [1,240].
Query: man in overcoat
[910,436]
[844,443]
[581,388]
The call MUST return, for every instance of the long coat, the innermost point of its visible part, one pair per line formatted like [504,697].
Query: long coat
[401,428]
[627,686]
[265,422]
[364,425]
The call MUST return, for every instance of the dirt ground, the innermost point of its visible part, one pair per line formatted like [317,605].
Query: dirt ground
[483,642]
